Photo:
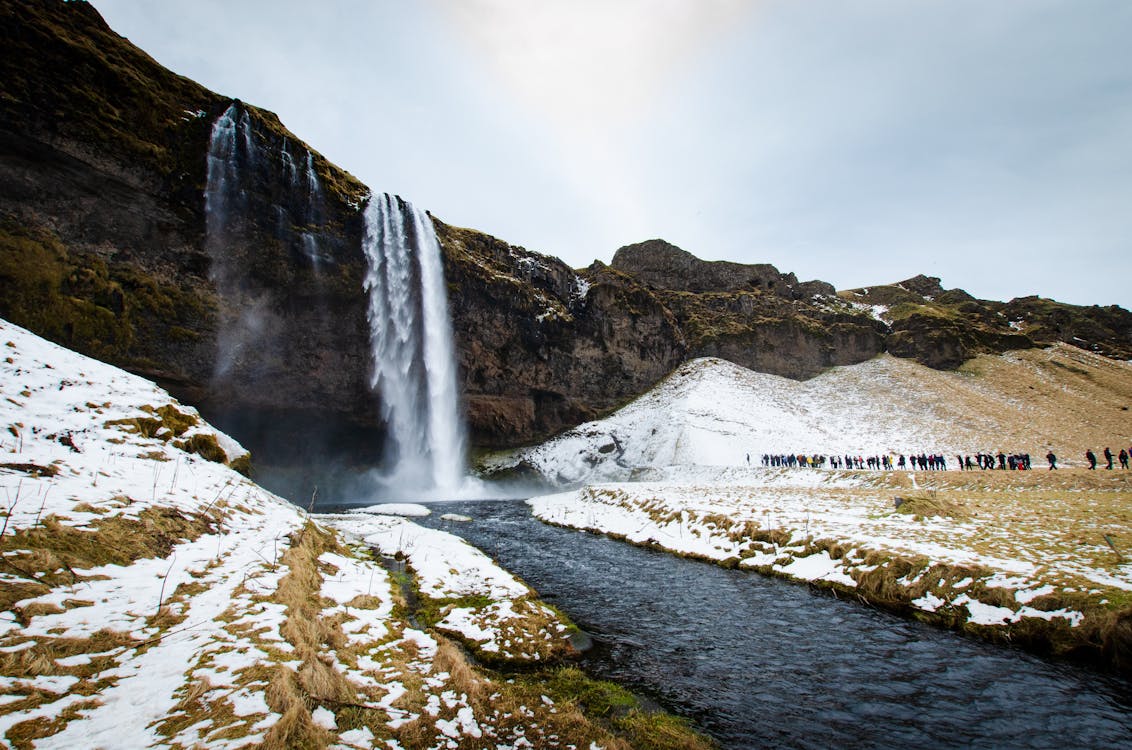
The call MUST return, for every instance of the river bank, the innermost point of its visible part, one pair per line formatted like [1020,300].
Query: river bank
[759,661]
[1036,559]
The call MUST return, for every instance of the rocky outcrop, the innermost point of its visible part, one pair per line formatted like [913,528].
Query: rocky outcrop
[542,346]
[662,265]
[943,328]
[753,315]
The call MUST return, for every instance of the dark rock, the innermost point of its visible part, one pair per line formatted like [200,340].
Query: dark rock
[542,347]
[662,265]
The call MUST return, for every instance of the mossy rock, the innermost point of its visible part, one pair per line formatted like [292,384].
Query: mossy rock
[205,446]
[113,312]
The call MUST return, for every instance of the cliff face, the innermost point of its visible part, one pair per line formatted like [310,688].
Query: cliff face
[943,328]
[542,346]
[754,315]
[105,247]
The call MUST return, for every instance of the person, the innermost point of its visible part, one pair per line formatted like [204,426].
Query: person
[1108,457]
[1052,460]
[1123,458]
[1091,458]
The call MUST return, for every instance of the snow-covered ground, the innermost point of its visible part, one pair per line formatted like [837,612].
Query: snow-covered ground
[154,597]
[973,550]
[712,415]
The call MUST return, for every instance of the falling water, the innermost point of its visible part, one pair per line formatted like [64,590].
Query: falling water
[231,149]
[313,215]
[287,163]
[414,368]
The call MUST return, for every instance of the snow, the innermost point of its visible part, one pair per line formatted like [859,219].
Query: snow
[581,288]
[685,519]
[712,414]
[410,510]
[324,718]
[434,555]
[816,567]
[198,631]
[449,569]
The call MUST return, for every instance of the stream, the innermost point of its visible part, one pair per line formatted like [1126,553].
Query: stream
[755,661]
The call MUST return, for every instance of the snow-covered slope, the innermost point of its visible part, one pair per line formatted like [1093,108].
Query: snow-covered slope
[152,596]
[711,413]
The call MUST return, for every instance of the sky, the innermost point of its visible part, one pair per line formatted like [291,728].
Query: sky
[858,142]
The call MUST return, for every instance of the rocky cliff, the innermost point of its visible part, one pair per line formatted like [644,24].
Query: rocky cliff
[105,248]
[943,328]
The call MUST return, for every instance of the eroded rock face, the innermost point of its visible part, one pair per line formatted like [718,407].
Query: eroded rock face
[943,328]
[542,347]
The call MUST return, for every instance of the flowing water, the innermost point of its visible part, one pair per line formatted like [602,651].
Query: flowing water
[232,153]
[414,370]
[313,213]
[759,662]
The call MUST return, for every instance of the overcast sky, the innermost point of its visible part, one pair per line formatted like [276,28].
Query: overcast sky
[854,141]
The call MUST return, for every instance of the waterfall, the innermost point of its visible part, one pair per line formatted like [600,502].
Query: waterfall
[313,217]
[414,369]
[230,149]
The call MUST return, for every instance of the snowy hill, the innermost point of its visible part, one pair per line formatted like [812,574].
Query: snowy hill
[711,413]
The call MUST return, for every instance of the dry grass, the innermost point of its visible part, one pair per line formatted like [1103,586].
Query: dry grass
[931,504]
[51,552]
[41,659]
[24,734]
[292,694]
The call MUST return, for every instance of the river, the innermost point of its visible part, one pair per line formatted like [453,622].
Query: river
[760,662]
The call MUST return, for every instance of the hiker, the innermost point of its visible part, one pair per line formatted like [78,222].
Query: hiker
[1108,457]
[1091,458]
[1123,458]
[1052,460]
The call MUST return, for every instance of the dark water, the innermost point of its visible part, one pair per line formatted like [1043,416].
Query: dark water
[758,662]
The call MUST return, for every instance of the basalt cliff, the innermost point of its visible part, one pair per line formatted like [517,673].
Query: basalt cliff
[105,248]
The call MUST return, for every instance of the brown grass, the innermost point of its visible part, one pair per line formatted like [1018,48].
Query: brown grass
[24,734]
[52,551]
[294,694]
[931,504]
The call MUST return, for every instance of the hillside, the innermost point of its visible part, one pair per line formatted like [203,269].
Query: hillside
[711,413]
[152,596]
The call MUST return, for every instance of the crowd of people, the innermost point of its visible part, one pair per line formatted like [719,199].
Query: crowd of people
[999,461]
[1123,457]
